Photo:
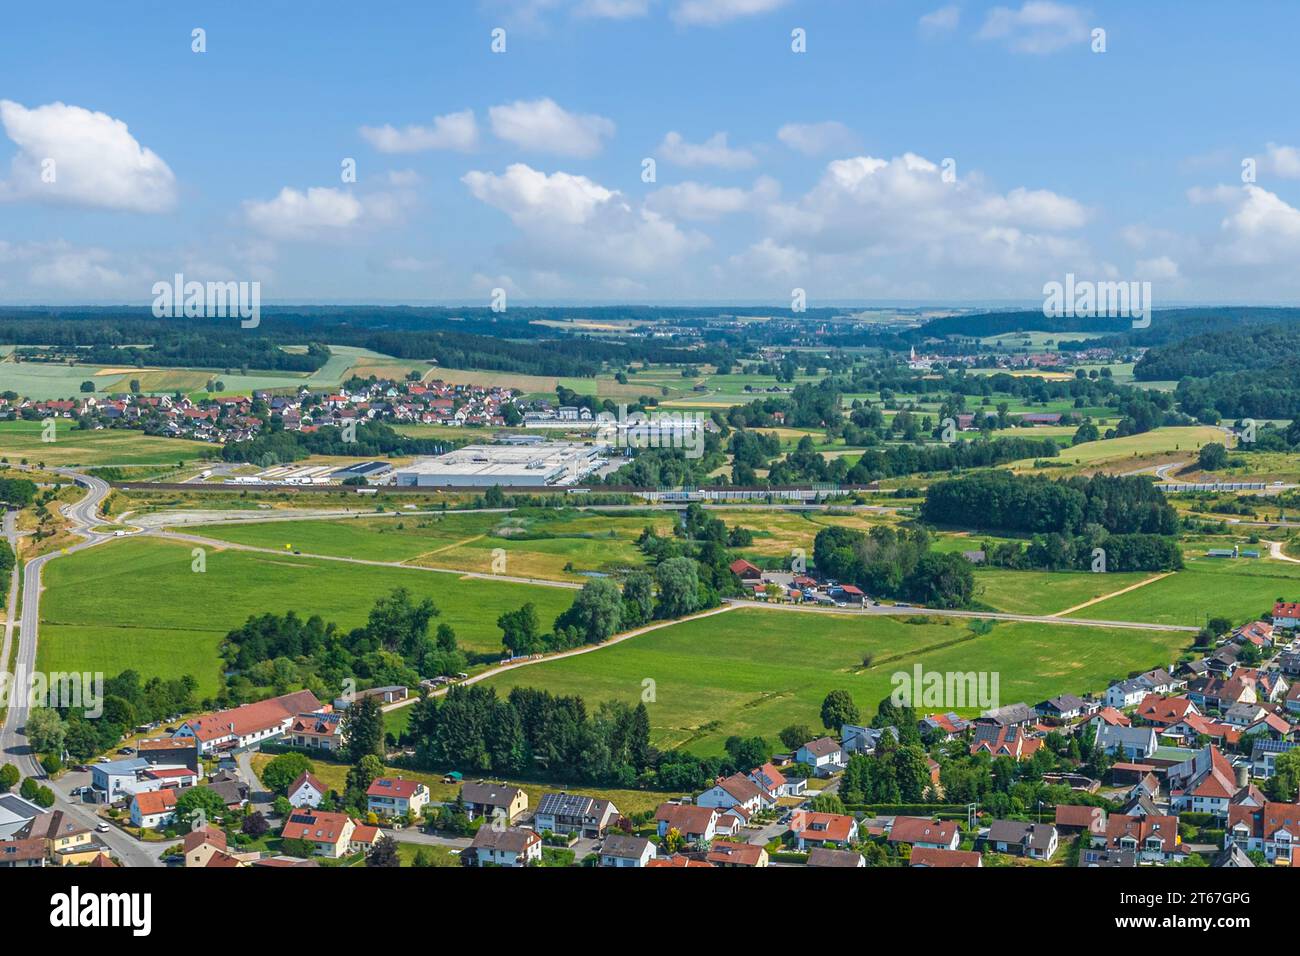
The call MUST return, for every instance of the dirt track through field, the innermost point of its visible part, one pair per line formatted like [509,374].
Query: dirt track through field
[1107,597]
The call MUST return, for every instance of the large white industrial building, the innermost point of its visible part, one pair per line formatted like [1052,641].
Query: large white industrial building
[531,465]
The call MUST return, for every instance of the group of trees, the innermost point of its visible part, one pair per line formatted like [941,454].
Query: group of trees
[474,729]
[276,653]
[1000,500]
[127,702]
[275,446]
[891,563]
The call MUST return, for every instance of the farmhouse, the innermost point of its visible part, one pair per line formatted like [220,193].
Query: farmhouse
[242,727]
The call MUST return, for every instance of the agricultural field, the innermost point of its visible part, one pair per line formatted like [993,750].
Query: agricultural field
[1240,589]
[109,446]
[1136,451]
[562,546]
[1049,592]
[136,602]
[755,671]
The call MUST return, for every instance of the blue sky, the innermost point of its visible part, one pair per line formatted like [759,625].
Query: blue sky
[523,170]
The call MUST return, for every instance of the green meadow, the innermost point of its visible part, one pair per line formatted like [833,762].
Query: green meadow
[108,446]
[1240,589]
[757,671]
[138,603]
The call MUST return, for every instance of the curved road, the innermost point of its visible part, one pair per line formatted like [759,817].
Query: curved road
[83,517]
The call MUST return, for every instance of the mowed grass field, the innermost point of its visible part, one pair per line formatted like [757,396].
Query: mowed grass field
[561,546]
[757,671]
[137,603]
[1160,441]
[109,446]
[1240,589]
[1049,592]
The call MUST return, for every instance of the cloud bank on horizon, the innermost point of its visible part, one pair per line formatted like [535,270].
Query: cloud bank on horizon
[651,150]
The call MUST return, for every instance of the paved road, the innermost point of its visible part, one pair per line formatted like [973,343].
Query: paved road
[83,517]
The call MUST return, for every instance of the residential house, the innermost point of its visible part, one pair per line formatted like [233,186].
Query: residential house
[924,832]
[1011,715]
[1133,743]
[1286,614]
[578,813]
[695,824]
[201,845]
[943,726]
[321,731]
[1264,754]
[774,782]
[1004,741]
[1258,633]
[930,857]
[328,833]
[1273,829]
[395,797]
[1038,841]
[21,854]
[364,837]
[626,851]
[737,790]
[823,755]
[1166,712]
[510,846]
[307,791]
[1205,783]
[67,842]
[823,829]
[726,853]
[863,740]
[821,856]
[1151,839]
[498,800]
[1064,707]
[746,571]
[153,809]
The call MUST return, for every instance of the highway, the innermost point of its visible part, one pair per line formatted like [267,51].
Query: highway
[83,517]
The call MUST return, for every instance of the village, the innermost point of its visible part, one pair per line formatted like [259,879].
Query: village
[1197,765]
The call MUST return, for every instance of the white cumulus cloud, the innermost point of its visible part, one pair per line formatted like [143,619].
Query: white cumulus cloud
[816,139]
[1038,27]
[714,151]
[546,127]
[454,131]
[318,213]
[93,158]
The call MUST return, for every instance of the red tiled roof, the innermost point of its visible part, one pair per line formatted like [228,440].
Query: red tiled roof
[735,854]
[928,856]
[252,718]
[1164,710]
[315,826]
[922,830]
[821,827]
[393,787]
[156,801]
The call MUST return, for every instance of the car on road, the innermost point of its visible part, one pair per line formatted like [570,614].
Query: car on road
[103,828]
[126,750]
